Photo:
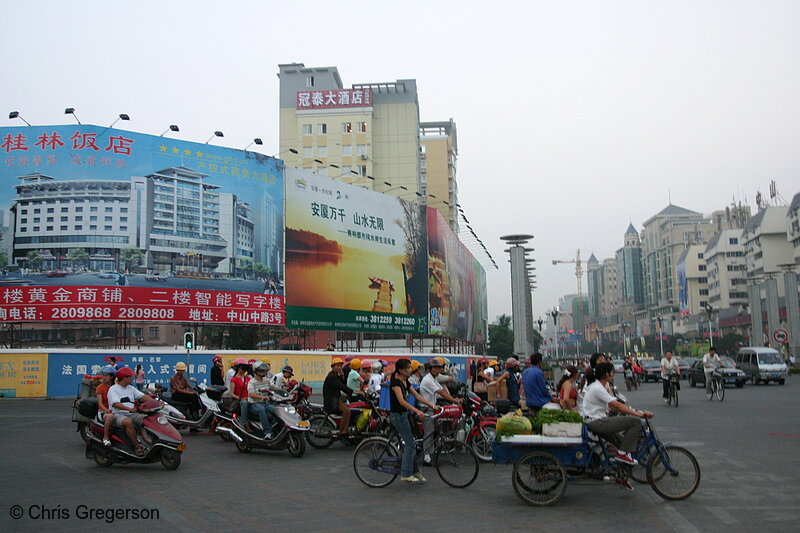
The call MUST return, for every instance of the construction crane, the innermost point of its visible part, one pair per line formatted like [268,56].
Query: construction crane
[578,270]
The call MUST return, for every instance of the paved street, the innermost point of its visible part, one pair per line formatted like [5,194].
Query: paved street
[747,447]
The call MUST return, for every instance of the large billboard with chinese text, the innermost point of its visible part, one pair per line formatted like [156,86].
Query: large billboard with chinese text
[457,299]
[355,259]
[105,224]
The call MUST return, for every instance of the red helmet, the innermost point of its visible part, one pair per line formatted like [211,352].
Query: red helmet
[483,361]
[216,359]
[348,358]
[125,372]
[241,361]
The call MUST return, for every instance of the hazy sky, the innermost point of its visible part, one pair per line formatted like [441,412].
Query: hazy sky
[574,118]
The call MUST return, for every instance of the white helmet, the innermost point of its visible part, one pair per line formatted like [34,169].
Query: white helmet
[261,365]
[377,366]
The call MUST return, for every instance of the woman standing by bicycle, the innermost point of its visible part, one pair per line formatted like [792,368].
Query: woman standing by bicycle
[669,365]
[400,410]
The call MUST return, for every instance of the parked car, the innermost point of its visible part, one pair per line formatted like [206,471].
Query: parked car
[730,374]
[684,365]
[762,364]
[107,274]
[651,370]
[56,273]
[155,277]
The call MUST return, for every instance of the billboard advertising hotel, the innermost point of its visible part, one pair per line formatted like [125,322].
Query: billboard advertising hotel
[355,259]
[105,224]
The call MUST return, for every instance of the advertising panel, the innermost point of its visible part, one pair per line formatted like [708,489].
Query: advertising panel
[457,299]
[105,224]
[355,259]
[23,375]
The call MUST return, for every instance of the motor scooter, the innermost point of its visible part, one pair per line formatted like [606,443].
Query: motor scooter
[287,428]
[158,438]
[181,413]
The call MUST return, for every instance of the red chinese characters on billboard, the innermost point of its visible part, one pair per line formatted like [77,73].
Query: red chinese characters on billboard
[339,98]
[20,144]
[42,304]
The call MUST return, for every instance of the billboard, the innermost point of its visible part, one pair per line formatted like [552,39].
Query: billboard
[355,259]
[457,299]
[105,224]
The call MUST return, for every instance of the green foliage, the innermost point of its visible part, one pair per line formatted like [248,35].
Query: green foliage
[3,259]
[33,259]
[554,416]
[501,338]
[132,257]
[78,256]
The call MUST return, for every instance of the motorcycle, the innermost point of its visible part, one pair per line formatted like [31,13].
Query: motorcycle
[158,438]
[180,413]
[287,428]
[366,419]
[480,425]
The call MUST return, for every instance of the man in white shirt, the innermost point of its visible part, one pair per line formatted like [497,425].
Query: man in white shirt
[430,388]
[669,365]
[122,399]
[596,404]
[710,363]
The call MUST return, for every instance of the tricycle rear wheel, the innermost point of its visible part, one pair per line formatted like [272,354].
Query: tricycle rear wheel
[539,478]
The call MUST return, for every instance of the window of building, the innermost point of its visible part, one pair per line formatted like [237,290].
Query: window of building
[347,150]
[108,228]
[322,129]
[78,218]
[63,228]
[65,209]
[309,81]
[703,292]
[79,210]
[48,228]
[308,151]
[49,219]
[123,210]
[733,240]
[93,210]
[123,219]
[306,129]
[362,170]
[362,127]
[109,209]
[152,332]
[123,228]
[37,211]
[347,127]
[23,212]
[23,230]
[322,151]
[702,268]
[109,219]
[36,228]
[93,218]
[361,149]
[93,228]
[78,227]
[50,210]
[23,221]
[36,220]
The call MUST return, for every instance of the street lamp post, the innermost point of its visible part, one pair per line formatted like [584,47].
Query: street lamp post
[624,340]
[597,339]
[554,314]
[660,335]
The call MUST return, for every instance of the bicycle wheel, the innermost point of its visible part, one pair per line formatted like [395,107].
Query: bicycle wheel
[720,392]
[674,391]
[376,462]
[482,443]
[457,464]
[710,392]
[673,473]
[539,478]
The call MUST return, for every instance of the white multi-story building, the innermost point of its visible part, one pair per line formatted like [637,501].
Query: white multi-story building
[727,271]
[766,245]
[692,280]
[793,228]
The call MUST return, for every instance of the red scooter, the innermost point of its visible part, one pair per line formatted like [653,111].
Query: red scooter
[159,439]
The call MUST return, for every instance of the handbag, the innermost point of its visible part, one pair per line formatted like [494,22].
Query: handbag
[480,387]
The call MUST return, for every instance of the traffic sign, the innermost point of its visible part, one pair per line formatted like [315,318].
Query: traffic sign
[780,336]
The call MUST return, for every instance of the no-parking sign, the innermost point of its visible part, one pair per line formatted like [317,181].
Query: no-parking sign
[780,336]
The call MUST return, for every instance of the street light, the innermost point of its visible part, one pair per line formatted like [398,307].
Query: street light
[122,116]
[257,141]
[71,111]
[540,322]
[15,114]
[172,127]
[659,319]
[216,134]
[554,314]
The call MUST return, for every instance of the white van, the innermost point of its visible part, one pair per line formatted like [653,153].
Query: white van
[762,364]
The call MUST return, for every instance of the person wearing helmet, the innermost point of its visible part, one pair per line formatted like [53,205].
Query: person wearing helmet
[332,390]
[239,387]
[416,372]
[182,390]
[355,380]
[107,374]
[258,395]
[281,381]
[216,371]
[431,390]
[376,378]
[123,397]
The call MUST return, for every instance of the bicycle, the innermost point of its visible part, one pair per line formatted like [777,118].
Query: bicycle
[376,460]
[630,380]
[672,394]
[717,388]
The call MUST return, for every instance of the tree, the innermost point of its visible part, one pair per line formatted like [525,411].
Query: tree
[501,338]
[263,271]
[78,257]
[131,257]
[3,259]
[33,259]
[245,266]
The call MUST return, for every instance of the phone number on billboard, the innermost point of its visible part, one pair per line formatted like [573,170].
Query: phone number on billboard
[396,320]
[142,313]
